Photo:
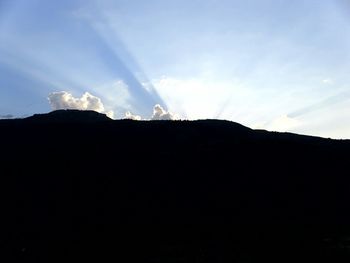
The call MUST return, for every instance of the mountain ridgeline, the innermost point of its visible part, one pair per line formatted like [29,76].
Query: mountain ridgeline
[78,185]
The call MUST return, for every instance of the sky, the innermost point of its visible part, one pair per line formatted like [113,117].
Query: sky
[279,65]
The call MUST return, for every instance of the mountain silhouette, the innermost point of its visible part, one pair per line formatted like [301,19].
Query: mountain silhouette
[78,185]
[69,116]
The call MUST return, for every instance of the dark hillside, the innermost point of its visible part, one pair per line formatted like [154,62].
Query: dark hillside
[68,116]
[79,186]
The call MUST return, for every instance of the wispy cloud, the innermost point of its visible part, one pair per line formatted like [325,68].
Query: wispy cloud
[282,123]
[322,104]
[7,116]
[328,81]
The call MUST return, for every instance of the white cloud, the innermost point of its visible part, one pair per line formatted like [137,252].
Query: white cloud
[283,123]
[327,81]
[109,114]
[65,100]
[130,116]
[160,114]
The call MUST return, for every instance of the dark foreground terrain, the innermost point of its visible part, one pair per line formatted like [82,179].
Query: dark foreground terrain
[77,186]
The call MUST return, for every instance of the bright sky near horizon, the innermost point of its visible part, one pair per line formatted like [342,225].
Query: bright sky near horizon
[272,64]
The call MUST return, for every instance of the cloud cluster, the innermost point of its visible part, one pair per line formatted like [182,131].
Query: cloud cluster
[130,116]
[64,100]
[159,113]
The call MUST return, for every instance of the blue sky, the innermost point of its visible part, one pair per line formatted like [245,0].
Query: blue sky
[272,64]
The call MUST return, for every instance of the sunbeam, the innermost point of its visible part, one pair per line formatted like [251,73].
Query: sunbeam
[343,96]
